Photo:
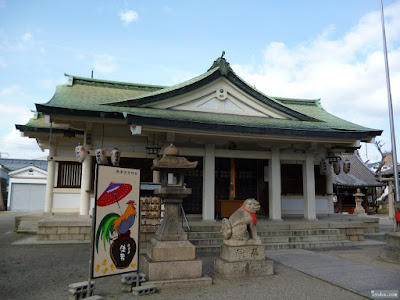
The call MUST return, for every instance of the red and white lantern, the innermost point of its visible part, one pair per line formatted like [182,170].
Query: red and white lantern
[336,167]
[115,156]
[101,157]
[80,153]
[346,166]
[323,167]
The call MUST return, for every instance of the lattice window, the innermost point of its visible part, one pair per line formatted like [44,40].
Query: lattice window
[69,175]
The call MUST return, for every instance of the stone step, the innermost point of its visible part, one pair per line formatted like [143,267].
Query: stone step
[204,235]
[275,239]
[203,228]
[308,245]
[298,232]
[278,246]
[29,226]
[268,227]
[306,238]
[217,234]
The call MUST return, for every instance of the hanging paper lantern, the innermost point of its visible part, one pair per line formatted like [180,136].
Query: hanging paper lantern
[101,157]
[346,166]
[115,156]
[323,167]
[80,153]
[336,167]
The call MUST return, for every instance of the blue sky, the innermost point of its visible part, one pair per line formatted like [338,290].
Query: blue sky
[329,49]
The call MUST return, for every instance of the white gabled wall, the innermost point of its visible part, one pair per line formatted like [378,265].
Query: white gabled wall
[221,97]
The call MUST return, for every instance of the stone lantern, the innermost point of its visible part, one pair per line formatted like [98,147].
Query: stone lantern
[359,210]
[172,168]
[170,256]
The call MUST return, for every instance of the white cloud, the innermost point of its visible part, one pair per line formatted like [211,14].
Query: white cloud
[17,146]
[128,16]
[104,63]
[10,138]
[80,56]
[23,42]
[51,83]
[26,37]
[347,73]
[13,112]
[12,90]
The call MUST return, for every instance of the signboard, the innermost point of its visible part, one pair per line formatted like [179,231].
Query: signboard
[116,221]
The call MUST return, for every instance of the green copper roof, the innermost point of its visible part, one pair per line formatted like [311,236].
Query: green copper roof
[220,68]
[38,124]
[111,99]
[167,91]
[88,93]
[245,124]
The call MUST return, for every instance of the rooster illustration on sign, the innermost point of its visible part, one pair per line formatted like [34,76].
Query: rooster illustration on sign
[114,228]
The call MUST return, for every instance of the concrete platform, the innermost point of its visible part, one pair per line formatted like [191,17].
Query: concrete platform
[356,277]
[335,230]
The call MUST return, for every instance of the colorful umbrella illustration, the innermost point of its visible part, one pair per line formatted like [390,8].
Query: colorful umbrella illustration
[114,193]
[122,249]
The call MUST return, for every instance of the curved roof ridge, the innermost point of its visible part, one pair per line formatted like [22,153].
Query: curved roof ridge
[168,89]
[86,80]
[219,68]
[304,101]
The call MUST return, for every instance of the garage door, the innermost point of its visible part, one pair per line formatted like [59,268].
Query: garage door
[27,196]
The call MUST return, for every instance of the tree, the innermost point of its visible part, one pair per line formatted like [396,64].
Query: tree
[378,171]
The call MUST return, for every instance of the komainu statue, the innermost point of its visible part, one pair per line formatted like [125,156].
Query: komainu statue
[241,228]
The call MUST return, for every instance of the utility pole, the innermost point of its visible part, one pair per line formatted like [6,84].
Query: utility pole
[2,208]
[392,132]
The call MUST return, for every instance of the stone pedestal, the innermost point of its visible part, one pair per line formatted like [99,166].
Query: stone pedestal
[170,255]
[393,246]
[243,261]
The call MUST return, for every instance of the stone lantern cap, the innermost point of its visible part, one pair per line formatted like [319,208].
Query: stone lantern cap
[359,194]
[172,161]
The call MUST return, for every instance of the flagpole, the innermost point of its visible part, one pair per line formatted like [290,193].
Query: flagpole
[392,132]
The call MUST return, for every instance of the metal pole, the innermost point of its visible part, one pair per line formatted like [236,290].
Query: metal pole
[88,292]
[392,132]
[91,261]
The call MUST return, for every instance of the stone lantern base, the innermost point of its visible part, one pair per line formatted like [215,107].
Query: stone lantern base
[166,260]
[359,210]
[171,258]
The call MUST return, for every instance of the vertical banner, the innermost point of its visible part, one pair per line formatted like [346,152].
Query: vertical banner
[116,230]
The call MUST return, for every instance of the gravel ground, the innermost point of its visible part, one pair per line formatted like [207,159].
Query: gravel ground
[45,271]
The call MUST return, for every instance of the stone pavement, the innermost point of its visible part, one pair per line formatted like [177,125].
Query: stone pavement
[44,271]
[353,276]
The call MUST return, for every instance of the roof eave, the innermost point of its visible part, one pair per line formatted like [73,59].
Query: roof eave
[25,128]
[179,124]
[46,109]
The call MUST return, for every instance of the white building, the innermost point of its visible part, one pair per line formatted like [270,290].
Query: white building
[248,144]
